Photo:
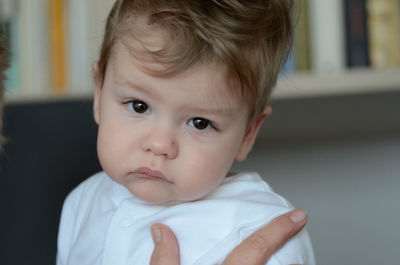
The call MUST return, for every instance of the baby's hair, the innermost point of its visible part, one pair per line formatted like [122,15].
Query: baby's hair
[3,67]
[252,38]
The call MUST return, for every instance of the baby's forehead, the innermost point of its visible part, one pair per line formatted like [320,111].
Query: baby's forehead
[213,73]
[199,89]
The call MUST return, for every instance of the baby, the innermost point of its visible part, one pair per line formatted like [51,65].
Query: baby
[181,92]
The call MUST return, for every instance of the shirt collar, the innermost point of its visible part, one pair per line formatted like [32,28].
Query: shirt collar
[118,193]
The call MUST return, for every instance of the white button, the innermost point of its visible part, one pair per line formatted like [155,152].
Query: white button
[125,222]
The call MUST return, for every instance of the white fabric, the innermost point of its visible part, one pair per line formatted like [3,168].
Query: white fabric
[102,223]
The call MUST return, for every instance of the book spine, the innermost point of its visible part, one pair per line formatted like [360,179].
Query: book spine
[302,37]
[10,23]
[384,28]
[327,36]
[58,56]
[357,54]
[33,47]
[6,10]
[99,10]
[79,65]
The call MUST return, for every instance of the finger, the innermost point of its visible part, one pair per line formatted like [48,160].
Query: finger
[166,248]
[262,244]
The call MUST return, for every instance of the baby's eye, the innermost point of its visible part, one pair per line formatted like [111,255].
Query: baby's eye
[201,124]
[138,107]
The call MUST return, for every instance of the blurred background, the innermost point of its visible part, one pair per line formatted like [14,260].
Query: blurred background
[332,145]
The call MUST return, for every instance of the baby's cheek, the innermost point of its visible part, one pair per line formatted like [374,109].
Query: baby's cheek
[108,154]
[204,179]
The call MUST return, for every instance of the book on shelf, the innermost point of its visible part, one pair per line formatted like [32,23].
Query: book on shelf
[53,43]
[99,10]
[9,22]
[79,66]
[33,47]
[296,53]
[58,43]
[357,52]
[27,42]
[327,35]
[86,22]
[302,37]
[384,33]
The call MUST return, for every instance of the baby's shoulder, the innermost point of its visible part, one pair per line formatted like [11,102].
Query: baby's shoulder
[246,202]
[252,188]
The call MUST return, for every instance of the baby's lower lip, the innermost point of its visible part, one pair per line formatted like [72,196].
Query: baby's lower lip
[151,174]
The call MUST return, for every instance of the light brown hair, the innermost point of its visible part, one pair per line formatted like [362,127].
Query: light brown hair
[3,67]
[252,38]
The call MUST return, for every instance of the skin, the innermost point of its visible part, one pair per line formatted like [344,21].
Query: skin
[148,140]
[255,250]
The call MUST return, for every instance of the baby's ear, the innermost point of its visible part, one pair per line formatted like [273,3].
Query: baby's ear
[251,135]
[97,93]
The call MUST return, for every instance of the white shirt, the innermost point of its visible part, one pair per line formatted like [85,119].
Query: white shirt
[102,223]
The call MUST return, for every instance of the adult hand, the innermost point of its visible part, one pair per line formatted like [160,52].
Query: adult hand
[254,250]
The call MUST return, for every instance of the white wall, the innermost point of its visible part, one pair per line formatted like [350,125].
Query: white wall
[348,181]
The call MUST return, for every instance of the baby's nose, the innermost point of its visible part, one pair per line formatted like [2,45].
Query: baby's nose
[160,142]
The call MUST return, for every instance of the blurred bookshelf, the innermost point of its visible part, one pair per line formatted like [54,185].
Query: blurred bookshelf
[340,48]
[352,81]
[297,85]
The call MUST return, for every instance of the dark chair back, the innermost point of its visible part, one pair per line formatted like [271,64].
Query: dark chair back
[51,149]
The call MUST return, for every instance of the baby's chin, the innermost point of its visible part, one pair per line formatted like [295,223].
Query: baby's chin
[156,193]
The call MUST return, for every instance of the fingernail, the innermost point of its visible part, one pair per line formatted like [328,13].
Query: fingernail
[298,216]
[156,234]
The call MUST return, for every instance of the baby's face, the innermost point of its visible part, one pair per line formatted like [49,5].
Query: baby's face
[168,140]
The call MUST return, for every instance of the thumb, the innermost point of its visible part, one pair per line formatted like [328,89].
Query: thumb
[166,248]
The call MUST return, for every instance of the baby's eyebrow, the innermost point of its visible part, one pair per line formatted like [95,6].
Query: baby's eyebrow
[226,112]
[147,91]
[205,109]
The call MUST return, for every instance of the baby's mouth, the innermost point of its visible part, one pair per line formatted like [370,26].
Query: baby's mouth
[148,173]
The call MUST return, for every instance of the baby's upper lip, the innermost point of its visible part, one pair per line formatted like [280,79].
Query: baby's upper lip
[152,173]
